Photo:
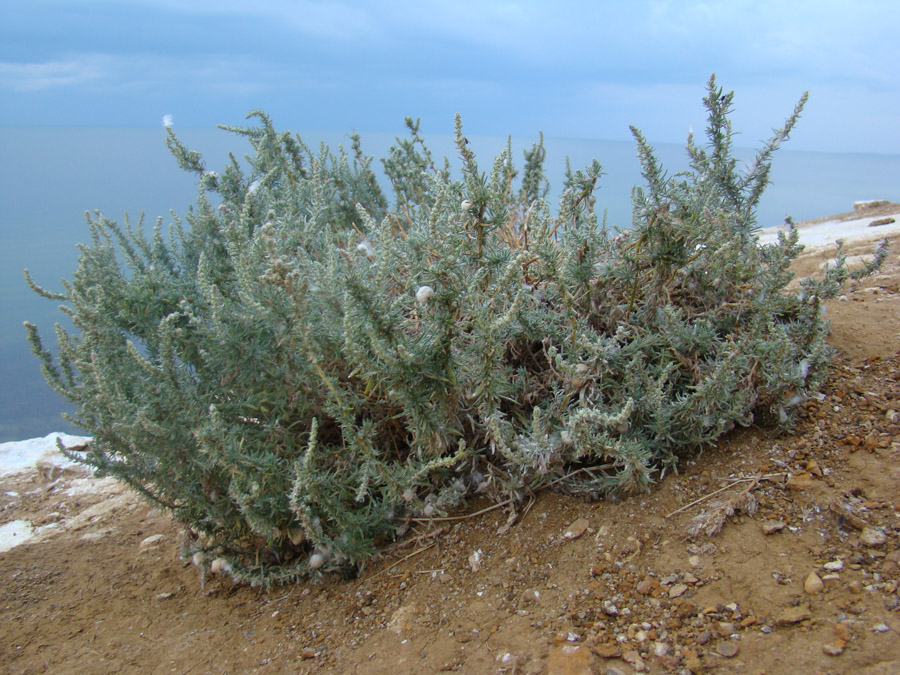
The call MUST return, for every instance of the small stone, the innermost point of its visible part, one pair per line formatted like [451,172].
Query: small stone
[569,660]
[833,648]
[164,596]
[530,596]
[749,621]
[872,537]
[686,610]
[647,585]
[725,628]
[634,658]
[692,660]
[800,481]
[608,651]
[704,637]
[841,632]
[220,566]
[677,590]
[772,526]
[150,542]
[881,628]
[402,620]
[576,529]
[834,565]
[813,467]
[695,561]
[689,578]
[728,649]
[813,584]
[475,560]
[661,649]
[793,615]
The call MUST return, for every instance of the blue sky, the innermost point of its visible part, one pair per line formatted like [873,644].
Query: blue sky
[581,69]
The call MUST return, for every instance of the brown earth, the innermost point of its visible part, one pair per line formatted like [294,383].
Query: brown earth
[633,592]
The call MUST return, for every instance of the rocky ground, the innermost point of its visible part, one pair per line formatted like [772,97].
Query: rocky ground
[766,554]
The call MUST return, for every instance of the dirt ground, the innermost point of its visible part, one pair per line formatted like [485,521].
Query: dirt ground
[799,575]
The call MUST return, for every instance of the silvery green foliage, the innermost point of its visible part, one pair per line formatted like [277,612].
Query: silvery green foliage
[300,368]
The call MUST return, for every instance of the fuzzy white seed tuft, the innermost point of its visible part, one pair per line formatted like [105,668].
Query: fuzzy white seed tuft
[466,205]
[316,560]
[366,249]
[424,294]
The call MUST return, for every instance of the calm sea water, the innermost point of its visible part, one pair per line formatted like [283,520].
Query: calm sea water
[50,176]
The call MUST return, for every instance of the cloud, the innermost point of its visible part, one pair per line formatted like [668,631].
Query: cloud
[342,21]
[213,73]
[70,72]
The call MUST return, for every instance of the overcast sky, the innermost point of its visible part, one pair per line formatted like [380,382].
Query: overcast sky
[580,69]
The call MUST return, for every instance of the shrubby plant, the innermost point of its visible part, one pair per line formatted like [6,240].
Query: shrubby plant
[302,366]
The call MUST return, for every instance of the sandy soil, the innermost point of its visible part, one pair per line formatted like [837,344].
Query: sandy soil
[801,577]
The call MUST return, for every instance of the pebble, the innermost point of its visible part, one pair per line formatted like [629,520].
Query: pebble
[872,537]
[725,628]
[841,632]
[833,648]
[800,481]
[402,619]
[728,649]
[793,615]
[646,585]
[530,596]
[150,542]
[772,526]
[834,565]
[608,651]
[576,529]
[881,628]
[634,658]
[677,590]
[220,566]
[813,584]
[475,560]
